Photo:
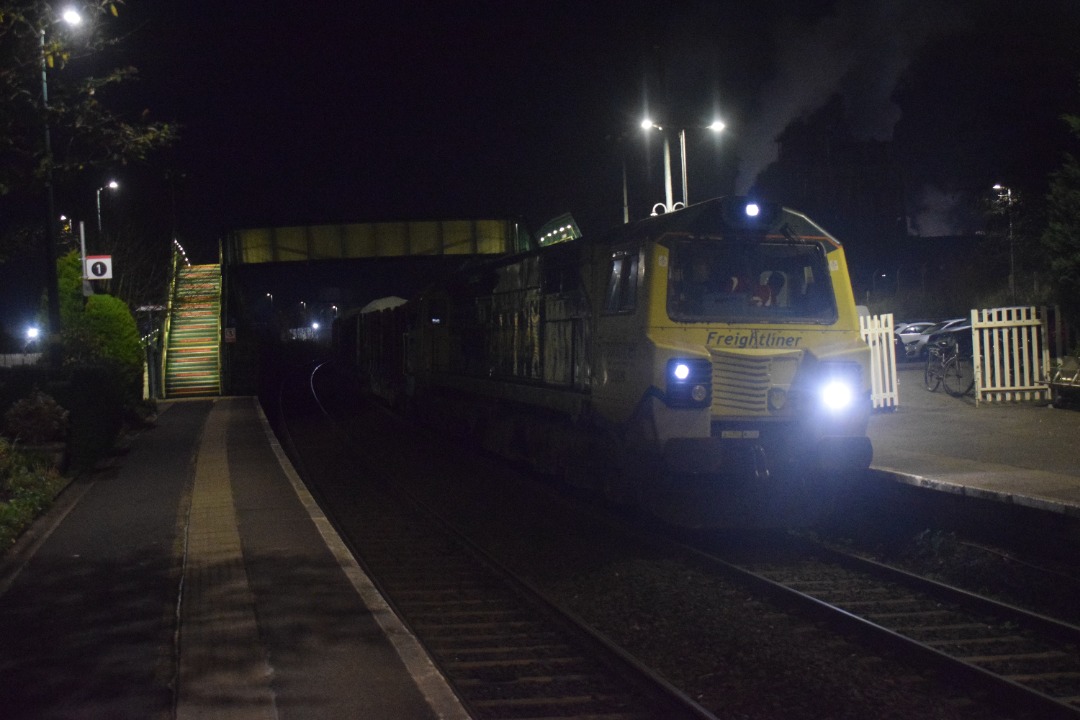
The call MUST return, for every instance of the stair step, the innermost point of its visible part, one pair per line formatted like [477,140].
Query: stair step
[195,333]
[194,339]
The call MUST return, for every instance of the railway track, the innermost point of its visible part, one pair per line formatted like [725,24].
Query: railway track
[1028,661]
[510,654]
[507,652]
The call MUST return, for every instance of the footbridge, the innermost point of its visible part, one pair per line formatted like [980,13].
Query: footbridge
[287,284]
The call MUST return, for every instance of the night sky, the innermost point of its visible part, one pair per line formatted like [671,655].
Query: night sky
[309,113]
[333,112]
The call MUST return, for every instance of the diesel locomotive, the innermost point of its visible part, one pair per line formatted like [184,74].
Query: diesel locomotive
[704,364]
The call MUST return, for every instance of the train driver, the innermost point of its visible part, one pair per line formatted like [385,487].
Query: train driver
[768,292]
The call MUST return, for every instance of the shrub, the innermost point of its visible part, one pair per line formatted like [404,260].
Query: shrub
[106,331]
[27,488]
[19,382]
[97,395]
[37,419]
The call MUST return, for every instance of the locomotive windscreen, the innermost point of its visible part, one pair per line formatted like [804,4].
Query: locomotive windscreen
[750,280]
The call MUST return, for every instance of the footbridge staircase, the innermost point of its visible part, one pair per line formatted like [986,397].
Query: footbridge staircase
[192,356]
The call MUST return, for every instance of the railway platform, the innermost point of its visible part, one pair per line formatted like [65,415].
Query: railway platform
[1025,454]
[197,578]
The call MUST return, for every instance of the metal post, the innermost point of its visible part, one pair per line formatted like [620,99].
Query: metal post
[50,221]
[625,197]
[1012,256]
[667,175]
[87,291]
[682,155]
[1004,195]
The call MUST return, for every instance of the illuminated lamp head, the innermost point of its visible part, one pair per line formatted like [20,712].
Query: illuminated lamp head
[688,382]
[837,395]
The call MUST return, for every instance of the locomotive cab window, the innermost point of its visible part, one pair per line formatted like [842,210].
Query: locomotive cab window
[621,296]
[750,281]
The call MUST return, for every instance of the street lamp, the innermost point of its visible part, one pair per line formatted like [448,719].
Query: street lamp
[647,124]
[73,19]
[1005,197]
[111,185]
[32,335]
[71,16]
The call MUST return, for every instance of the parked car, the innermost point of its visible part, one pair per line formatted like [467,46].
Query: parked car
[906,333]
[916,350]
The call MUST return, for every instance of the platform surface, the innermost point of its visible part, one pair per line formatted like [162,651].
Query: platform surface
[1023,453]
[200,564]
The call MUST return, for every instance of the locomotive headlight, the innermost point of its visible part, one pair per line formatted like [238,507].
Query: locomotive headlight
[837,395]
[838,388]
[688,382]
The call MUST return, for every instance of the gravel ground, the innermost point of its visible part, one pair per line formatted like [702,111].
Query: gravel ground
[1029,561]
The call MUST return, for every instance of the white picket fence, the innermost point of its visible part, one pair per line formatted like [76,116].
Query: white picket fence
[1011,348]
[1012,354]
[877,331]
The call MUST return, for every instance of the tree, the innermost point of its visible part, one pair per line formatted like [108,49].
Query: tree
[1061,239]
[86,131]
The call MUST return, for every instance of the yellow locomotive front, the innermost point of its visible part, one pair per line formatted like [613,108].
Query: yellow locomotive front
[747,342]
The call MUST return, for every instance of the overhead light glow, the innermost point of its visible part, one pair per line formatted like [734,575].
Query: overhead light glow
[752,210]
[72,17]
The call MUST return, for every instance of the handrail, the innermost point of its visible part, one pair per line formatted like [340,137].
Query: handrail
[177,254]
[221,309]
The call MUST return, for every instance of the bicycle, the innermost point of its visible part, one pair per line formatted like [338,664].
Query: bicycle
[946,366]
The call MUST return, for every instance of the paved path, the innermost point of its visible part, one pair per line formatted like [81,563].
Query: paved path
[200,563]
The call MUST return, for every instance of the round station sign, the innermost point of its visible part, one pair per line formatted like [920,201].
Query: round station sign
[99,267]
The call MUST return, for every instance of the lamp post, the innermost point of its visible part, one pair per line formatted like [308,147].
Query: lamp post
[111,185]
[647,124]
[72,18]
[1005,197]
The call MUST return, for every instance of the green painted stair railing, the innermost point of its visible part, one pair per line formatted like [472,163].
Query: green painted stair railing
[193,354]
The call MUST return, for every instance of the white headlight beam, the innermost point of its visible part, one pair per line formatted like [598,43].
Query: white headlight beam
[837,395]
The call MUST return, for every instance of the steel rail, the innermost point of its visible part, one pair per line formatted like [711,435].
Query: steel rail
[1017,693]
[444,586]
